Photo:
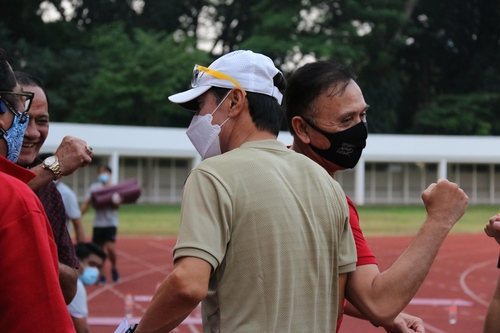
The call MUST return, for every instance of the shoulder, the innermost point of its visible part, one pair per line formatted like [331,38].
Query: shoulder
[62,187]
[13,187]
[65,190]
[21,198]
[95,186]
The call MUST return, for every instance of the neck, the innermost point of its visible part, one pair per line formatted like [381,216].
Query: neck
[242,130]
[249,137]
[302,148]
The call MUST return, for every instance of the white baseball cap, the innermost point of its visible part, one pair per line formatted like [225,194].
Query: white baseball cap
[254,72]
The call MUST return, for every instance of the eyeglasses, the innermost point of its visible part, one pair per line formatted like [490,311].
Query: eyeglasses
[198,72]
[25,97]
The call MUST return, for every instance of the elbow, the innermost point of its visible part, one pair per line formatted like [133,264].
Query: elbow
[383,319]
[382,315]
[69,295]
[188,290]
[68,277]
[379,314]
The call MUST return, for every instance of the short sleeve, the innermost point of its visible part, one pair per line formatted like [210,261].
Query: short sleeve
[78,307]
[205,219]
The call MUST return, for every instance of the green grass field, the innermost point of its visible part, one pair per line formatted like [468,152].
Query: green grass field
[163,220]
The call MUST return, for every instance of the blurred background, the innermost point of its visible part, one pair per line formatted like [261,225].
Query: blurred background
[425,66]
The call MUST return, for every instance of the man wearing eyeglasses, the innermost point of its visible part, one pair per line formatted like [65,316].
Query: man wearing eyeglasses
[34,137]
[31,299]
[260,243]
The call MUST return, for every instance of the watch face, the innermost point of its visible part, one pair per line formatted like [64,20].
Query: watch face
[50,160]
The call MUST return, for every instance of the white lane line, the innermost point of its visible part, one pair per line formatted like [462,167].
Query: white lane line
[439,301]
[111,321]
[464,286]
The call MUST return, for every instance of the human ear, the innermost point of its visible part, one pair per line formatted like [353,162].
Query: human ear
[301,129]
[237,99]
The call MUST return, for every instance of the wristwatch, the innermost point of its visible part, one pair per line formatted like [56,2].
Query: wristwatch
[52,163]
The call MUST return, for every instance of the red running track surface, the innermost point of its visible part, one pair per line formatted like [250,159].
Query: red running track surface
[464,270]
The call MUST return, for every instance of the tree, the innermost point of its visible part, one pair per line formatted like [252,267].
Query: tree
[414,58]
[469,114]
[135,76]
[454,53]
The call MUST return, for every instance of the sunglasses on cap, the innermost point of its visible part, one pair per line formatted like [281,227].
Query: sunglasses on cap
[198,72]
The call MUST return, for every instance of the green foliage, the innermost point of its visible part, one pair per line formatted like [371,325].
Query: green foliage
[424,66]
[135,76]
[65,68]
[460,115]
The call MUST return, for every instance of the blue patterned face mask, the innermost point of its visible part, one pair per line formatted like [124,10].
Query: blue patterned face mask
[14,135]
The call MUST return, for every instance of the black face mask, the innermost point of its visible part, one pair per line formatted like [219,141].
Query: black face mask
[345,146]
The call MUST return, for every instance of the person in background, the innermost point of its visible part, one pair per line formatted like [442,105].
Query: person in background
[105,226]
[72,209]
[326,115]
[264,238]
[492,320]
[92,259]
[31,297]
[34,138]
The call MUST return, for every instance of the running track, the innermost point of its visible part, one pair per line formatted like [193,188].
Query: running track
[465,270]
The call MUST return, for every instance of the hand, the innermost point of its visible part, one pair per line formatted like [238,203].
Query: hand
[404,323]
[492,228]
[73,153]
[116,199]
[445,202]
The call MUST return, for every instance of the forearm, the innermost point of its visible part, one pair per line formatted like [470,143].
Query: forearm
[84,206]
[43,177]
[177,296]
[167,300]
[492,321]
[67,280]
[79,233]
[380,297]
[81,325]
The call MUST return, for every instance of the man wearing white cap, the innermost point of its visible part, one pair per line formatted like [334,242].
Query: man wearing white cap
[260,243]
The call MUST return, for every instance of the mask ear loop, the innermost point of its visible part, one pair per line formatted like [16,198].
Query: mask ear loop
[220,105]
[225,121]
[217,107]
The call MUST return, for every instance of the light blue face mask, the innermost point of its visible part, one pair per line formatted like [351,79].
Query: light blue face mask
[14,135]
[89,276]
[103,178]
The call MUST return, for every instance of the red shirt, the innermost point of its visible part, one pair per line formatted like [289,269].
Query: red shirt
[31,298]
[365,255]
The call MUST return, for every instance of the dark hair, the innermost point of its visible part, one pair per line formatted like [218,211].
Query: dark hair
[84,250]
[106,168]
[7,79]
[25,79]
[308,82]
[265,110]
